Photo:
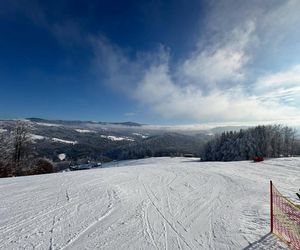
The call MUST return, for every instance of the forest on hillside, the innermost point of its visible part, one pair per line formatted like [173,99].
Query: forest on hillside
[269,141]
[21,155]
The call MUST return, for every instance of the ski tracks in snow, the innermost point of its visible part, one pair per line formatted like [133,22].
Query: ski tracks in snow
[156,203]
[112,197]
[168,222]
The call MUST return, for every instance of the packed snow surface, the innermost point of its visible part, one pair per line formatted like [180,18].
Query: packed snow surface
[155,203]
[48,124]
[36,137]
[64,141]
[84,131]
[116,138]
[141,135]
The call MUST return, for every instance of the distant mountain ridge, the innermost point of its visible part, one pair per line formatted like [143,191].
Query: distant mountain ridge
[66,122]
[103,141]
[92,140]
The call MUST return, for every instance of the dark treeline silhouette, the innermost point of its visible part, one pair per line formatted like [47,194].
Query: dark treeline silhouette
[263,141]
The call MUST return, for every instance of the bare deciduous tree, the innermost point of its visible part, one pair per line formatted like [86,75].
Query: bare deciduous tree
[6,149]
[16,154]
[21,140]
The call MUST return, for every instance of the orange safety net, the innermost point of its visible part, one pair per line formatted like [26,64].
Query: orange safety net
[285,219]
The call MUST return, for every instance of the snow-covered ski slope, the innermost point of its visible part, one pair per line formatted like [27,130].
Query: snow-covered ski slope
[155,203]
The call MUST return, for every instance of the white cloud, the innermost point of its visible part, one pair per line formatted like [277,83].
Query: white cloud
[286,79]
[283,86]
[115,66]
[212,83]
[280,22]
[223,61]
[166,98]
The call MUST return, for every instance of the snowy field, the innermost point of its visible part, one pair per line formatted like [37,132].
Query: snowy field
[155,203]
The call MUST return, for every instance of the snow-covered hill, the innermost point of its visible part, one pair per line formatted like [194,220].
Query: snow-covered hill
[155,203]
[100,141]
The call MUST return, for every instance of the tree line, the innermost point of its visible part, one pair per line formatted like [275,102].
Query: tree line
[166,144]
[20,155]
[17,154]
[261,141]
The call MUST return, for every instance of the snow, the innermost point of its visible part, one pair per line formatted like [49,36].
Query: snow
[48,124]
[2,130]
[154,203]
[116,138]
[62,156]
[36,137]
[64,141]
[84,131]
[141,135]
[40,137]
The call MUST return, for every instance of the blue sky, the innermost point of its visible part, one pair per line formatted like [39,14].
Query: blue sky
[157,62]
